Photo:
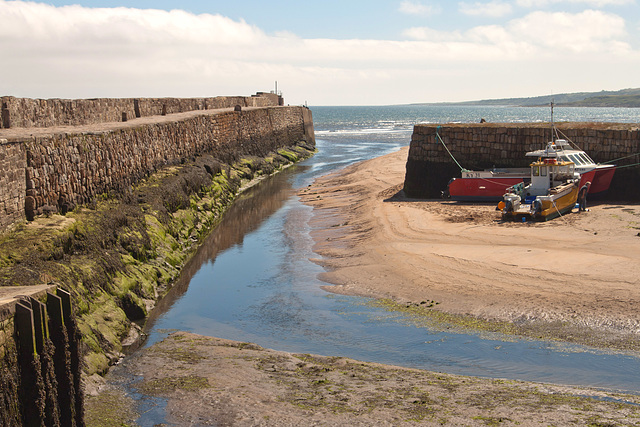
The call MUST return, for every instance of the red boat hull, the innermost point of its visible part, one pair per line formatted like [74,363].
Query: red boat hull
[492,189]
[602,179]
[480,189]
[588,177]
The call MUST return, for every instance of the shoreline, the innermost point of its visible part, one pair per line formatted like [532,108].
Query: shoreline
[573,279]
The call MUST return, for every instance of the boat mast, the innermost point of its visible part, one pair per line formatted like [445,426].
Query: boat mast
[554,131]
[553,126]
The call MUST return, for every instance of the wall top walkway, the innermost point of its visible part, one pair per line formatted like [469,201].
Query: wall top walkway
[21,134]
[540,125]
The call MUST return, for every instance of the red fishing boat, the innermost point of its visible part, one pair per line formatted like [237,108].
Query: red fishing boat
[490,185]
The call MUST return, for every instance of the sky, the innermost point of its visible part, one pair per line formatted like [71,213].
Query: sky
[329,52]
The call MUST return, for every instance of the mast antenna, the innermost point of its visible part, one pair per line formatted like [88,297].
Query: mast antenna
[553,126]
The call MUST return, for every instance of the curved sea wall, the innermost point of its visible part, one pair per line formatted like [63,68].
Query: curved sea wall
[487,145]
[53,172]
[28,113]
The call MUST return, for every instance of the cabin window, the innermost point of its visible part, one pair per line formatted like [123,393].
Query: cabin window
[536,171]
[543,171]
[576,159]
[586,159]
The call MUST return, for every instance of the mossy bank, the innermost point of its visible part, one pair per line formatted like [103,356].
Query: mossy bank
[120,253]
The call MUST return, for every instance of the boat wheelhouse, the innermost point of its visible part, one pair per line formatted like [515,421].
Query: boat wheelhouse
[599,175]
[552,192]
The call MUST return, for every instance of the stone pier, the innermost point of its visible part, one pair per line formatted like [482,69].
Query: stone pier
[483,146]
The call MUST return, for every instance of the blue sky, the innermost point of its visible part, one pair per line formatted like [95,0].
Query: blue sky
[323,53]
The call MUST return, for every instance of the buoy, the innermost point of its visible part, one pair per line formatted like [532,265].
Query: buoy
[501,205]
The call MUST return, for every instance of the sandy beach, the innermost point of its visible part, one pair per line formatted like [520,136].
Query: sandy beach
[580,271]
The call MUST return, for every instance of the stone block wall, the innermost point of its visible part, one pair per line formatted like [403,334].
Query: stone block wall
[27,112]
[13,163]
[483,146]
[50,173]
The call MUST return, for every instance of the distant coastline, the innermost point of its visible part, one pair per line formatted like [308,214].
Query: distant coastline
[625,98]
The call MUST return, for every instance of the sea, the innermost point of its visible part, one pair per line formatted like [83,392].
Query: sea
[254,280]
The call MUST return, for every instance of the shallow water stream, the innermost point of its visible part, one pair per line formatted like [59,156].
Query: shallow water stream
[252,281]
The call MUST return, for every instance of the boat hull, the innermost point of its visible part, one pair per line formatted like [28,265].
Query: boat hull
[480,189]
[558,206]
[558,202]
[492,189]
[588,177]
[602,179]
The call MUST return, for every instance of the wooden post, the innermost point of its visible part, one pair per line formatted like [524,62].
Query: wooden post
[24,325]
[66,395]
[40,328]
[31,392]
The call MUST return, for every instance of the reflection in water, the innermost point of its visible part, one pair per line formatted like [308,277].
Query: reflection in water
[245,215]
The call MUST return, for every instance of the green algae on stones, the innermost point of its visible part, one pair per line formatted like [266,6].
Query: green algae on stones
[121,252]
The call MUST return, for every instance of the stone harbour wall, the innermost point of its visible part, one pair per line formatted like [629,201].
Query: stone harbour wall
[13,163]
[28,113]
[483,146]
[54,172]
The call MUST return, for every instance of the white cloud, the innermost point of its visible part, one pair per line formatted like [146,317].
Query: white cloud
[588,31]
[495,8]
[26,21]
[74,51]
[425,33]
[418,8]
[594,3]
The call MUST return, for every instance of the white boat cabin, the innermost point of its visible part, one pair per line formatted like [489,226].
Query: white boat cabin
[562,151]
[548,173]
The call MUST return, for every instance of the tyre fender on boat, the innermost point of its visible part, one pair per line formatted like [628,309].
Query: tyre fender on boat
[508,206]
[507,211]
[536,208]
[445,193]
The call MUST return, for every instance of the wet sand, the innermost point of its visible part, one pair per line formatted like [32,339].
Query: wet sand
[581,271]
[210,381]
